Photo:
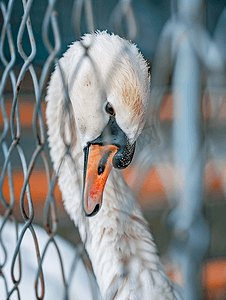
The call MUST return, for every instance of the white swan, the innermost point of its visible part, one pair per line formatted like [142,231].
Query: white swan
[116,236]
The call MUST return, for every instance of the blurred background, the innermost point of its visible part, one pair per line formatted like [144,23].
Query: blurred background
[154,180]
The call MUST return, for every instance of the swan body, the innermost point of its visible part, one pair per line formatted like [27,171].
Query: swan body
[117,239]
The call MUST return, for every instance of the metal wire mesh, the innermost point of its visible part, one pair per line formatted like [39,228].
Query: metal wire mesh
[184,50]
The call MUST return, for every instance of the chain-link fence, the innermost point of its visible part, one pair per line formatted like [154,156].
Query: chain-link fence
[189,64]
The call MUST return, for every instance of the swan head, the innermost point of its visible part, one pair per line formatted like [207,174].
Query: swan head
[108,83]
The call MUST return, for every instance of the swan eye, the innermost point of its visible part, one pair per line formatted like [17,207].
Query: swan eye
[109,109]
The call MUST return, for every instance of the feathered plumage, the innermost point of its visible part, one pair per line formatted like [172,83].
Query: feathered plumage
[117,238]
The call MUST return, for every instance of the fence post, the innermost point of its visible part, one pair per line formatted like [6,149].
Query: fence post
[190,233]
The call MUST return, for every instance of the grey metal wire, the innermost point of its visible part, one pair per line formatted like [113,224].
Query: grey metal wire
[124,11]
[50,214]
[184,48]
[79,5]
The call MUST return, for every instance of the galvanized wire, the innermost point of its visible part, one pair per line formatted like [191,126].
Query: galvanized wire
[184,48]
[39,133]
[187,48]
[123,20]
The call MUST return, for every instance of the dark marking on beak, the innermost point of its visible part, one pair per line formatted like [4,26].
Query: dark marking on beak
[111,149]
[113,135]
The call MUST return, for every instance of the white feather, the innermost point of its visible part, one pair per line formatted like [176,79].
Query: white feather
[117,239]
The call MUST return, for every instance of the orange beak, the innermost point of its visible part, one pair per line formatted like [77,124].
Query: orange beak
[97,170]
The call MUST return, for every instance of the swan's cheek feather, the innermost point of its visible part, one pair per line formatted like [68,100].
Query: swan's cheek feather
[88,108]
[129,118]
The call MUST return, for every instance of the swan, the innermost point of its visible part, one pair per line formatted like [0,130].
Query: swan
[108,86]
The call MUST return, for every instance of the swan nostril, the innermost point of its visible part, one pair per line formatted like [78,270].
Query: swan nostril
[103,162]
[101,169]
